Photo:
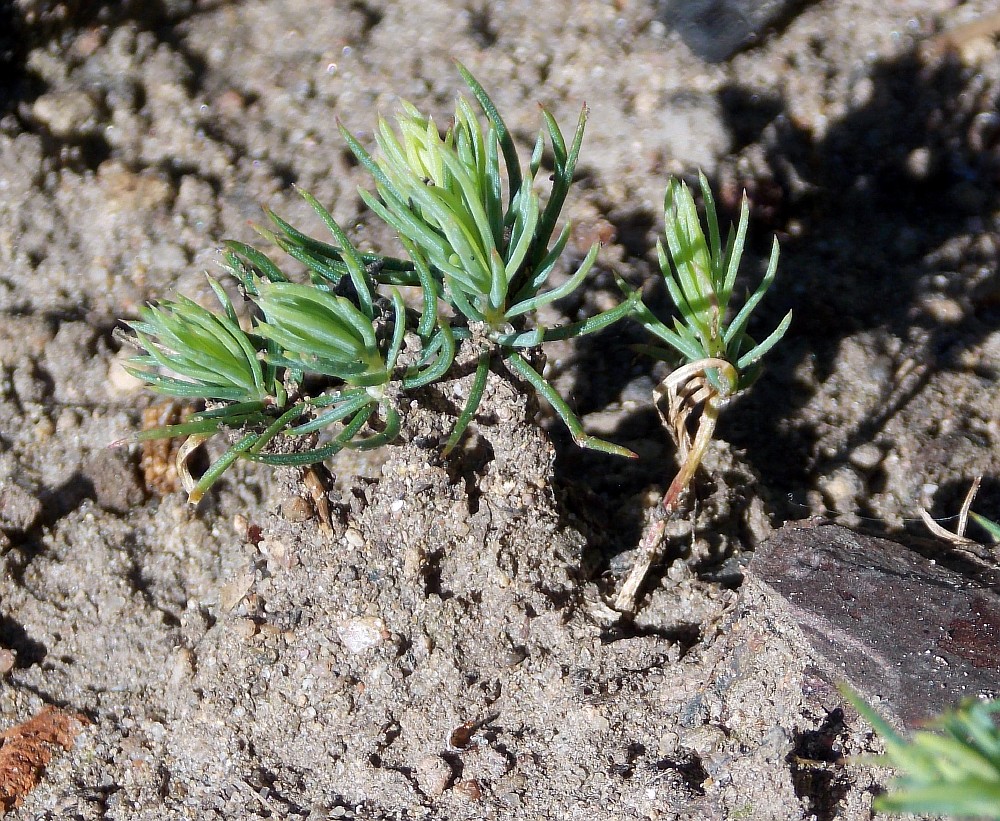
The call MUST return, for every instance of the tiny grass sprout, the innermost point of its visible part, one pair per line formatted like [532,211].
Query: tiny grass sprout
[952,768]
[700,276]
[196,354]
[715,357]
[211,355]
[328,355]
[298,330]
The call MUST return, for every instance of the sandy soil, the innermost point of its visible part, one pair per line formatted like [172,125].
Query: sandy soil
[445,649]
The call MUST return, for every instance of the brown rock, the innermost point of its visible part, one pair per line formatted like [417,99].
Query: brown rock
[896,626]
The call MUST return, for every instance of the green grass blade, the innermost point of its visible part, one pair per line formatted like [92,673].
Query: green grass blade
[734,253]
[428,289]
[388,435]
[591,325]
[472,197]
[369,164]
[564,290]
[242,255]
[971,798]
[220,466]
[471,404]
[739,323]
[503,136]
[445,342]
[498,283]
[353,401]
[358,272]
[315,455]
[755,354]
[539,276]
[398,329]
[525,227]
[520,366]
[711,217]
[565,168]
[493,189]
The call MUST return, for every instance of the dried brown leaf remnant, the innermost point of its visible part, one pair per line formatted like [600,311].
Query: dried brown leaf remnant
[28,748]
[159,456]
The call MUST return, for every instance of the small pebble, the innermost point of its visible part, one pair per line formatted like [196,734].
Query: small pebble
[119,381]
[240,526]
[278,554]
[232,593]
[19,509]
[182,668]
[362,633]
[511,799]
[867,456]
[66,114]
[704,740]
[943,310]
[246,629]
[918,163]
[469,789]
[841,489]
[296,509]
[433,775]
[515,656]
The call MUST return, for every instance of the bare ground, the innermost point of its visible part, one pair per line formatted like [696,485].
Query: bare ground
[445,649]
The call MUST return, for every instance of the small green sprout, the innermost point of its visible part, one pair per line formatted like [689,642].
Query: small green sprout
[213,356]
[715,357]
[251,379]
[719,359]
[195,354]
[487,254]
[951,768]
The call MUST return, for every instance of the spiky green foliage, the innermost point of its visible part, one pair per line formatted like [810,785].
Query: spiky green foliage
[326,354]
[476,231]
[296,309]
[952,768]
[713,356]
[700,275]
[991,527]
[194,353]
[210,354]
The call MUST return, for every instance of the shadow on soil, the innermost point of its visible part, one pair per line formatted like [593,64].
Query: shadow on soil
[892,182]
[859,214]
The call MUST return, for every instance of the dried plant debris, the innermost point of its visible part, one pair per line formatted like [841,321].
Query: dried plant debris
[899,628]
[27,749]
[159,456]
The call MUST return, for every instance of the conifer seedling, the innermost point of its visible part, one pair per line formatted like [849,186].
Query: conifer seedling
[715,357]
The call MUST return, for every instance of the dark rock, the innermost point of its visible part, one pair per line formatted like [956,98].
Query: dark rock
[115,480]
[716,29]
[19,509]
[897,627]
